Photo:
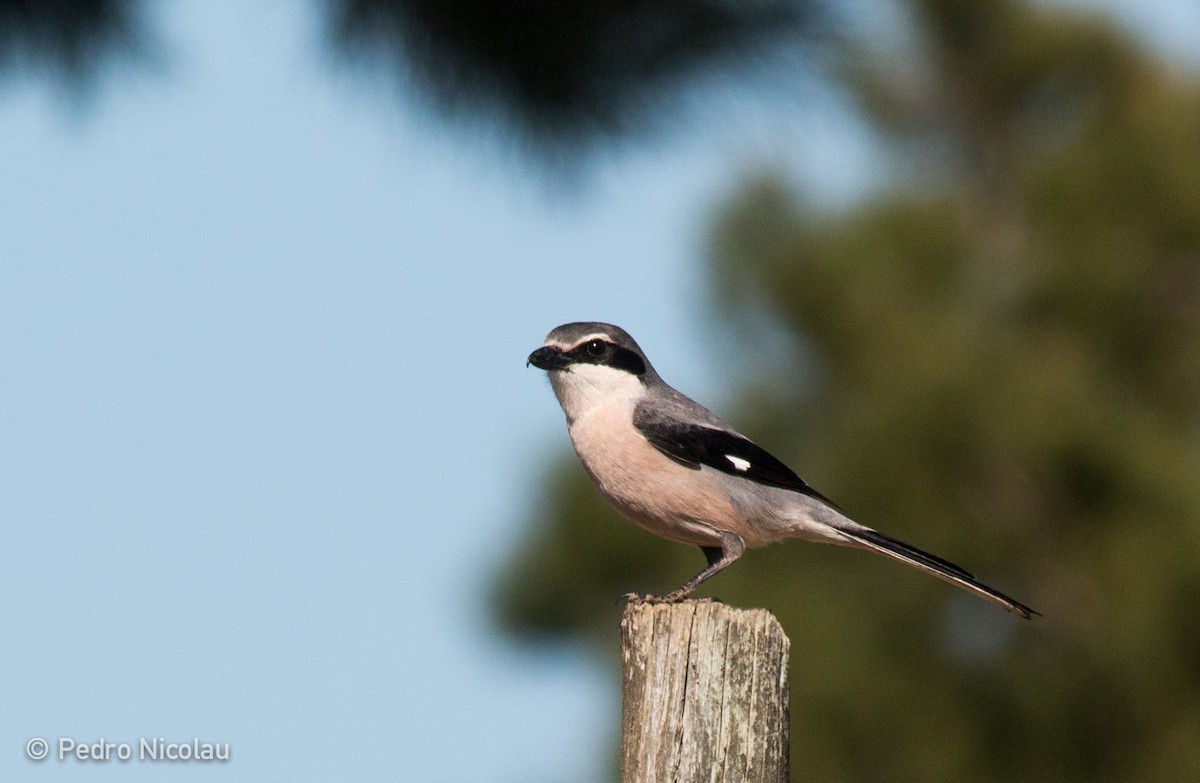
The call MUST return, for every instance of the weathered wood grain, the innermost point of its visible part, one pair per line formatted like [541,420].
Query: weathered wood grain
[704,694]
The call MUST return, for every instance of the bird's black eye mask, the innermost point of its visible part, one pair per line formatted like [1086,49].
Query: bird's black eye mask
[599,351]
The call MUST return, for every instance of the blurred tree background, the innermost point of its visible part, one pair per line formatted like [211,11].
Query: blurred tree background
[560,77]
[996,357]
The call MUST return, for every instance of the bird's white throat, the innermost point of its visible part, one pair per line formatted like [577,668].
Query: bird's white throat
[582,388]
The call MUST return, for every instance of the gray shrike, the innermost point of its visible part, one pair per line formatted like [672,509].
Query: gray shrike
[674,468]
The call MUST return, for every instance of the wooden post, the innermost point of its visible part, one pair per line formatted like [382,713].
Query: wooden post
[704,694]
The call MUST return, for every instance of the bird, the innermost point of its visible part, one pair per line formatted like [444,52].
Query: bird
[673,467]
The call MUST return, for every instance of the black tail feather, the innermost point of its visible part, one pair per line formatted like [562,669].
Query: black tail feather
[932,564]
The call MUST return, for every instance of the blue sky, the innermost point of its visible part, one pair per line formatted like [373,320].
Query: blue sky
[267,426]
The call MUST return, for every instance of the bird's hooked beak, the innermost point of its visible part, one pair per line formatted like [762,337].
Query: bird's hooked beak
[547,358]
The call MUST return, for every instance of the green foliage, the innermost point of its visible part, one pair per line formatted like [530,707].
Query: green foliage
[1002,365]
[567,73]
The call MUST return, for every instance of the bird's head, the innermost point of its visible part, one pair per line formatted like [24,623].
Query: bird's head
[591,363]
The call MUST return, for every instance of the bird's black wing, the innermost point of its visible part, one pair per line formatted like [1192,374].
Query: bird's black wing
[724,450]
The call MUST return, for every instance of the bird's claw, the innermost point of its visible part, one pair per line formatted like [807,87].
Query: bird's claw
[669,598]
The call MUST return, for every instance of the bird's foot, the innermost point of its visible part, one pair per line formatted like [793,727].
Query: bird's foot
[669,598]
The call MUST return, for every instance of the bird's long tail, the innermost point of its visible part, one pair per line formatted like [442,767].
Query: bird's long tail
[867,538]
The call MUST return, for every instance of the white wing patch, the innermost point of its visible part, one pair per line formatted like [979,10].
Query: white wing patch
[740,464]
